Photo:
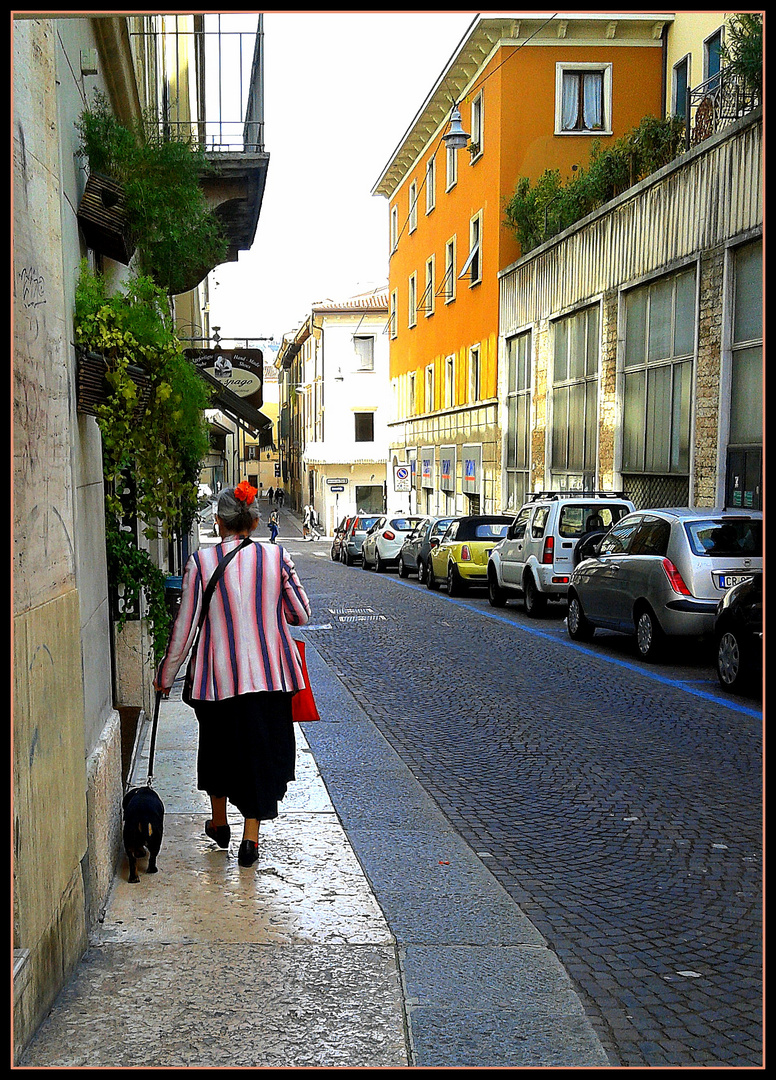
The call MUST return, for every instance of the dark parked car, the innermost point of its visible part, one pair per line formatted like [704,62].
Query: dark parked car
[353,540]
[738,635]
[339,536]
[416,549]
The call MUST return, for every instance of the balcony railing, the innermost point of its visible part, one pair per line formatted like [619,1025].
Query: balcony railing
[210,77]
[716,103]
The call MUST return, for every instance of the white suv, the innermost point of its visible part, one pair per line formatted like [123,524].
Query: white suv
[538,554]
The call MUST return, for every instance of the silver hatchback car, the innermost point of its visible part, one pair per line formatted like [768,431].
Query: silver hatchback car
[660,573]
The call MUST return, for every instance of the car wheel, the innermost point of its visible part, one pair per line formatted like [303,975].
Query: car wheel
[379,564]
[421,572]
[576,623]
[535,603]
[403,571]
[731,664]
[431,581]
[455,587]
[496,595]
[649,636]
[364,563]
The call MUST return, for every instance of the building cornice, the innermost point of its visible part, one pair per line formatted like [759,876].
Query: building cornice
[475,49]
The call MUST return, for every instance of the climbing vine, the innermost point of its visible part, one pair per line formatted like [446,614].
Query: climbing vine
[154,433]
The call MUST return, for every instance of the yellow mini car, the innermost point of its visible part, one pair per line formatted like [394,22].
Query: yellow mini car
[461,557]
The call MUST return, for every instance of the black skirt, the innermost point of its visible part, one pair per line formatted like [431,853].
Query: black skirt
[247,751]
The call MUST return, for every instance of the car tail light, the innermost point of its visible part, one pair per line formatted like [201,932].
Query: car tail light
[389,535]
[549,550]
[675,579]
[466,555]
[560,581]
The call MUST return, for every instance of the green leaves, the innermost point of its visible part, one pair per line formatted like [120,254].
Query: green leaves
[162,450]
[536,212]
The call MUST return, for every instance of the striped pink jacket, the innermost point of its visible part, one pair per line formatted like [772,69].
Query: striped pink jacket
[245,645]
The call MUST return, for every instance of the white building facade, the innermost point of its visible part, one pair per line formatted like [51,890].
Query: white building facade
[335,391]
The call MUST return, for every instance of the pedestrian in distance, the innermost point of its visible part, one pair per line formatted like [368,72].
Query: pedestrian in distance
[279,496]
[306,520]
[274,525]
[245,669]
[271,495]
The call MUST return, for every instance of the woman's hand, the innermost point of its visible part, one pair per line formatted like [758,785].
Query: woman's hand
[163,690]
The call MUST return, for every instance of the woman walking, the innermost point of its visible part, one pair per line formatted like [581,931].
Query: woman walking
[245,669]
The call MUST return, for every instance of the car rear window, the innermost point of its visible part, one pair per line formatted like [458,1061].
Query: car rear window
[482,530]
[364,523]
[405,524]
[578,519]
[726,537]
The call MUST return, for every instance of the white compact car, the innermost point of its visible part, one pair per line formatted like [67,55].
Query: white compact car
[539,553]
[384,540]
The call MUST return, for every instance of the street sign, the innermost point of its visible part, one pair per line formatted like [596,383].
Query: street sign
[337,487]
[339,480]
[402,480]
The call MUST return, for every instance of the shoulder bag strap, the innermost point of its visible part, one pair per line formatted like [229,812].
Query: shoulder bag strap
[218,573]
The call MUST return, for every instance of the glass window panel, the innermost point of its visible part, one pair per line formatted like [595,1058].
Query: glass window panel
[635,327]
[559,428]
[680,435]
[748,316]
[521,442]
[633,422]
[592,341]
[684,329]
[746,420]
[523,370]
[577,342]
[511,431]
[658,433]
[660,321]
[576,436]
[591,424]
[561,367]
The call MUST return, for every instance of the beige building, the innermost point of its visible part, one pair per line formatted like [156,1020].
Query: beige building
[79,689]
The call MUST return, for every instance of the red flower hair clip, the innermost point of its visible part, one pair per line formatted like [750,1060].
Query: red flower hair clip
[245,492]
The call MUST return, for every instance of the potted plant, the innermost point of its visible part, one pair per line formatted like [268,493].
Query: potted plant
[143,195]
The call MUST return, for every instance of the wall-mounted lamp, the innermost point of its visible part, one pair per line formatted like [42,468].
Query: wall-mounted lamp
[456,138]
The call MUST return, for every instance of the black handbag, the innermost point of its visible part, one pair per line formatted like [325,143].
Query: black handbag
[188,682]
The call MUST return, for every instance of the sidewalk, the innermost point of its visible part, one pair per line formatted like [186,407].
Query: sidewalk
[368,935]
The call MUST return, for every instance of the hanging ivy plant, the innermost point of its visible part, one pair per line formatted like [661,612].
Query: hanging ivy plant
[163,448]
[177,236]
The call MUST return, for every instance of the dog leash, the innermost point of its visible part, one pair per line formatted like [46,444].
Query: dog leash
[152,749]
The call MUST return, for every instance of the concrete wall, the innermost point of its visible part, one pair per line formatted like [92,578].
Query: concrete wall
[66,737]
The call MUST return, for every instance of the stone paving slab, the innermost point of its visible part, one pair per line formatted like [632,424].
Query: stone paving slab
[221,1005]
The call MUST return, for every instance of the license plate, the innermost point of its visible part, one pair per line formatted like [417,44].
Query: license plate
[727,581]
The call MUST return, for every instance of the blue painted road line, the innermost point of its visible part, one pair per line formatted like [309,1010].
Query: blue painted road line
[559,639]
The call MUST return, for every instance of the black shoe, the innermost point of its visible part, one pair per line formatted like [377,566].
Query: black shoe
[248,853]
[220,833]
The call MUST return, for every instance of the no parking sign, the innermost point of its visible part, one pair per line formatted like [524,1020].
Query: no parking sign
[401,478]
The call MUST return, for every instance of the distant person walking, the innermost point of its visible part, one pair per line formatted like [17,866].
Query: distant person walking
[271,495]
[274,525]
[279,496]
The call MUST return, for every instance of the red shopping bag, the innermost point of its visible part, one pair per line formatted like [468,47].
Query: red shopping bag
[303,707]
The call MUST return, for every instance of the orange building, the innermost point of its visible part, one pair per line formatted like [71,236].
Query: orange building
[534,94]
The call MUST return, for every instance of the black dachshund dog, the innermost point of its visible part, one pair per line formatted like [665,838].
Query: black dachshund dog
[143,828]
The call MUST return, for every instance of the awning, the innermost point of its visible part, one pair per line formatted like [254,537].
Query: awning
[234,406]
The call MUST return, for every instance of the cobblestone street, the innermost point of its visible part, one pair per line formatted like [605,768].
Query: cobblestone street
[618,803]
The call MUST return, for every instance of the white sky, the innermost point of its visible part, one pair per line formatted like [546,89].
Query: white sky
[340,90]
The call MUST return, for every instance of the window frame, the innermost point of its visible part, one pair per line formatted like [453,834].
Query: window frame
[450,269]
[519,401]
[474,258]
[413,206]
[412,299]
[394,228]
[429,293]
[393,315]
[430,184]
[477,124]
[563,68]
[475,373]
[370,365]
[429,389]
[677,108]
[450,381]
[451,168]
[560,390]
[359,415]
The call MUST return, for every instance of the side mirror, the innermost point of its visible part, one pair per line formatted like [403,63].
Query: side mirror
[434,543]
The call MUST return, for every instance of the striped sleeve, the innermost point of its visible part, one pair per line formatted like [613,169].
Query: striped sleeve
[296,606]
[185,627]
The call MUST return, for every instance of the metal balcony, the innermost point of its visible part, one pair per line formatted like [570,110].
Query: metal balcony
[715,104]
[210,90]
